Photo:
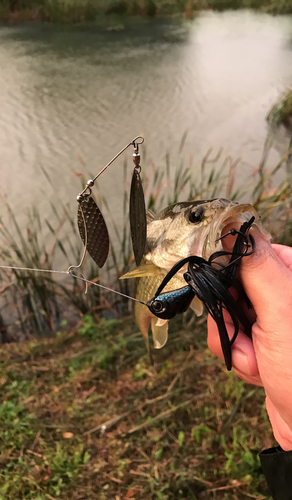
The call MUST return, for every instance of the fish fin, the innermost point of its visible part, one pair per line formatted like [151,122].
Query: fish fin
[142,271]
[197,306]
[161,322]
[159,332]
[143,320]
[149,215]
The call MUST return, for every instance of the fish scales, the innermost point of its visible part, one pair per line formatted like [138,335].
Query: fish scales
[176,232]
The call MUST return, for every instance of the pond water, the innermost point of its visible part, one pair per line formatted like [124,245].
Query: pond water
[75,95]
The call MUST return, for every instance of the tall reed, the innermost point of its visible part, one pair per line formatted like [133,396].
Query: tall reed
[37,303]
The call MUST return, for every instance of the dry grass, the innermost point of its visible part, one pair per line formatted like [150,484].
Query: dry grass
[84,416]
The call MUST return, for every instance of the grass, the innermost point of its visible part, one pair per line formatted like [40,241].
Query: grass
[281,111]
[38,303]
[84,416]
[80,11]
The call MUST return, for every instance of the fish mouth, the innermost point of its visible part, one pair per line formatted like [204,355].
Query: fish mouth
[233,214]
[182,237]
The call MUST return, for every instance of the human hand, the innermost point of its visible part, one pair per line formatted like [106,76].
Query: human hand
[267,360]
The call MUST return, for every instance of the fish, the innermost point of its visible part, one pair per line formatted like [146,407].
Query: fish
[178,231]
[210,282]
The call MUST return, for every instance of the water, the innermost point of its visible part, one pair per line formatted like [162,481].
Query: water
[74,95]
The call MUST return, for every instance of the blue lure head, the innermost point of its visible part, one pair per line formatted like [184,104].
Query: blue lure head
[167,305]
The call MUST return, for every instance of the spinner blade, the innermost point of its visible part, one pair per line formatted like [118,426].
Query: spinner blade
[137,217]
[92,227]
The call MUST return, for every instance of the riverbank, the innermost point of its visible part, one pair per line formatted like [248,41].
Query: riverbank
[79,11]
[85,416]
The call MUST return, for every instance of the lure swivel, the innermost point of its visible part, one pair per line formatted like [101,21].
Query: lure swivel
[138,223]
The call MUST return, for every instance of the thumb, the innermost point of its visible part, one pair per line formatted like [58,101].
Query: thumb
[268,284]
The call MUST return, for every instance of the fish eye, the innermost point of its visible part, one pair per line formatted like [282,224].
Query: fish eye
[157,306]
[196,216]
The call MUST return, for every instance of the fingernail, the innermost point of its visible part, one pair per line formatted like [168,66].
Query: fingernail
[240,361]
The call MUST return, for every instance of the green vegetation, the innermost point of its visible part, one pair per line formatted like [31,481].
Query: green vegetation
[79,11]
[38,299]
[281,111]
[39,304]
[84,415]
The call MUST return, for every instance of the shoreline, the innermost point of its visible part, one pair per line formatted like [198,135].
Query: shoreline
[96,11]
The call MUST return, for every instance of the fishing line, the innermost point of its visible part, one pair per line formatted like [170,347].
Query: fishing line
[74,276]
[32,269]
[107,288]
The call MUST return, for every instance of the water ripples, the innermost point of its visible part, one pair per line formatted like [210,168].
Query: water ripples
[71,93]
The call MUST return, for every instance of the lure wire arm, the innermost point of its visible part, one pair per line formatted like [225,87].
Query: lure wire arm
[135,142]
[84,249]
[91,223]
